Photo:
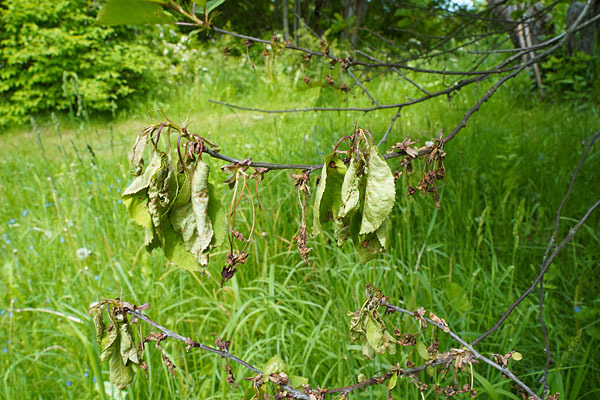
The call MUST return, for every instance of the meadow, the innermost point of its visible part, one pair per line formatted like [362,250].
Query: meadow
[67,241]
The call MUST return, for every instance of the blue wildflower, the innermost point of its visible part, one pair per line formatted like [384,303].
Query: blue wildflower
[96,277]
[2,312]
[12,221]
[68,383]
[62,239]
[90,183]
[118,180]
[94,380]
[86,374]
[119,190]
[5,350]
[48,204]
[577,309]
[31,247]
[120,201]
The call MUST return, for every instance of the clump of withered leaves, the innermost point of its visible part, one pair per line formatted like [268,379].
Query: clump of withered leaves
[174,201]
[357,194]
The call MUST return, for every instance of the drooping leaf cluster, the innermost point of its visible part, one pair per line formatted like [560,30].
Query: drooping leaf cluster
[173,199]
[116,342]
[357,194]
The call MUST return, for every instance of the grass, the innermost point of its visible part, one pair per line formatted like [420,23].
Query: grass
[507,171]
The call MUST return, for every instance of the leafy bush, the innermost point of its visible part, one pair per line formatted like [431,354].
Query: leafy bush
[54,57]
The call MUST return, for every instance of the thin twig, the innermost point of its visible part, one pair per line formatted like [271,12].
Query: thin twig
[306,167]
[295,392]
[590,142]
[476,354]
[389,129]
[362,87]
[544,268]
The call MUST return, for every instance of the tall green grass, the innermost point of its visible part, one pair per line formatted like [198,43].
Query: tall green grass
[507,171]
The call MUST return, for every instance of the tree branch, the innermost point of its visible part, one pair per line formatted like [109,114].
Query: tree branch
[476,354]
[295,392]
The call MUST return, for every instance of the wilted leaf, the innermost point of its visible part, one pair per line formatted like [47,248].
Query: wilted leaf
[200,201]
[132,12]
[143,181]
[422,350]
[375,335]
[121,375]
[328,198]
[137,153]
[189,216]
[367,351]
[137,205]
[96,312]
[127,348]
[380,192]
[352,195]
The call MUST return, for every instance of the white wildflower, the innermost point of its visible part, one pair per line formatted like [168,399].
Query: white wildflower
[83,252]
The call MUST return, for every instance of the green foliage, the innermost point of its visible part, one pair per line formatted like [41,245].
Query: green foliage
[575,77]
[54,57]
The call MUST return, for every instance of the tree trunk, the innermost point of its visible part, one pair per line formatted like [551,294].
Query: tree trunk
[585,40]
[358,9]
[286,27]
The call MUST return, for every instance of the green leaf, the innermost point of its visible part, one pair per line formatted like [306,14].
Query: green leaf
[422,350]
[132,12]
[175,249]
[275,364]
[200,206]
[127,349]
[216,214]
[190,217]
[297,381]
[375,335]
[212,4]
[380,192]
[367,351]
[137,205]
[369,245]
[143,181]
[392,382]
[457,296]
[352,195]
[121,375]
[517,356]
[328,198]
[110,343]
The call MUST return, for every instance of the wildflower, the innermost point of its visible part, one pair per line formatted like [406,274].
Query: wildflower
[2,312]
[31,247]
[96,277]
[62,239]
[120,201]
[12,221]
[5,350]
[83,252]
[68,383]
[94,380]
[90,183]
[85,375]
[50,204]
[25,212]
[577,309]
